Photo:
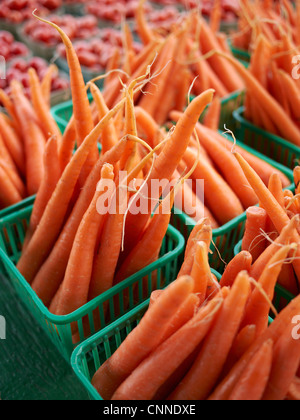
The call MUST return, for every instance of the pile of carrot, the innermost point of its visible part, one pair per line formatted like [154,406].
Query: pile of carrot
[273,19]
[185,54]
[200,340]
[83,238]
[273,72]
[264,233]
[25,129]
[223,178]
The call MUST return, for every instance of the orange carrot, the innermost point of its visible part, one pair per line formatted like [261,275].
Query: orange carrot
[253,381]
[143,339]
[228,205]
[167,161]
[41,108]
[53,218]
[46,83]
[13,144]
[34,140]
[51,177]
[73,292]
[204,373]
[8,192]
[51,273]
[241,262]
[278,326]
[274,109]
[283,368]
[258,307]
[212,116]
[168,356]
[201,272]
[253,239]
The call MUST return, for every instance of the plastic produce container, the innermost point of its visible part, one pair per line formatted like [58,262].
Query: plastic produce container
[118,301]
[268,144]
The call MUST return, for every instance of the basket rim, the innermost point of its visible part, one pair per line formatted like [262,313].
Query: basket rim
[61,320]
[238,114]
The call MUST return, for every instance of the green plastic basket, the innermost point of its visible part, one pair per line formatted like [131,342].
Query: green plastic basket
[118,301]
[227,236]
[91,354]
[282,296]
[268,144]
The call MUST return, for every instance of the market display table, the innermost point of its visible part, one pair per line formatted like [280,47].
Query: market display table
[30,366]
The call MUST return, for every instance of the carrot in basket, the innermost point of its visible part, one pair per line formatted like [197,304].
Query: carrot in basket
[34,140]
[241,262]
[242,342]
[51,273]
[201,272]
[13,144]
[258,307]
[109,135]
[253,239]
[9,195]
[148,125]
[283,239]
[297,179]
[147,249]
[154,94]
[73,292]
[145,381]
[204,373]
[41,108]
[292,93]
[67,145]
[143,29]
[274,109]
[216,16]
[284,367]
[81,108]
[143,339]
[212,116]
[185,312]
[51,177]
[9,106]
[276,213]
[276,188]
[220,198]
[53,218]
[46,83]
[203,235]
[168,160]
[274,332]
[253,381]
[262,168]
[294,390]
[229,76]
[14,177]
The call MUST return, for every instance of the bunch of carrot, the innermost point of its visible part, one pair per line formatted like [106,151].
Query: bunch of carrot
[200,340]
[25,129]
[274,69]
[273,19]
[262,238]
[186,53]
[223,178]
[83,237]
